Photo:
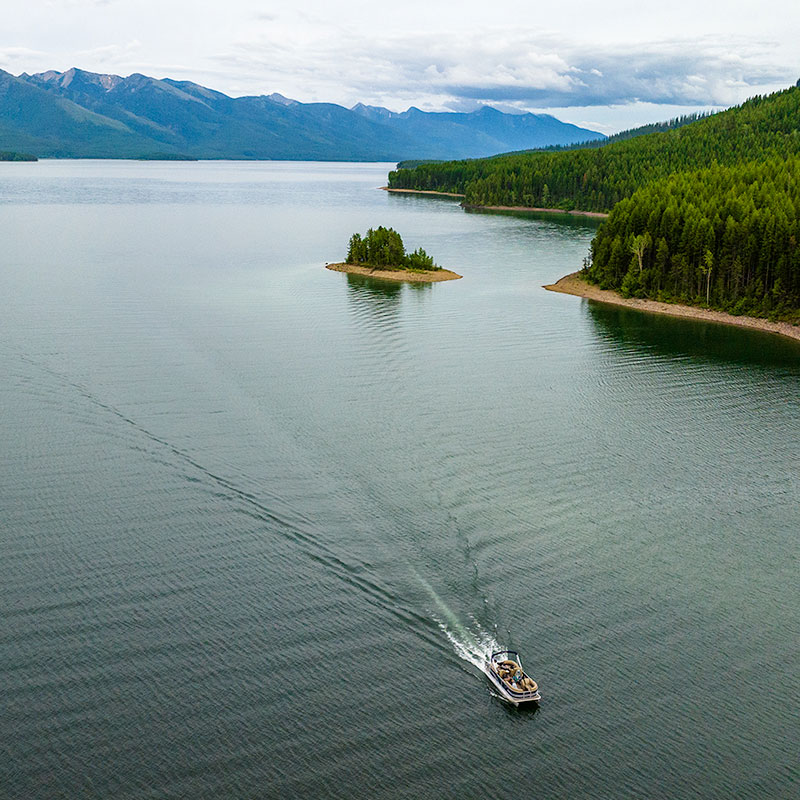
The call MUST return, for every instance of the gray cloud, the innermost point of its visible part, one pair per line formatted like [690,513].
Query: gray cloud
[504,66]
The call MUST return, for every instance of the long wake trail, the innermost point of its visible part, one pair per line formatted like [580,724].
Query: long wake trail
[290,524]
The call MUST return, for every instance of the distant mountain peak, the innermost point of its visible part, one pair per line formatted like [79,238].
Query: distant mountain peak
[375,113]
[276,97]
[64,79]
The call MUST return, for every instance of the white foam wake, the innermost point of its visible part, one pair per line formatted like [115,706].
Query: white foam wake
[472,643]
[473,646]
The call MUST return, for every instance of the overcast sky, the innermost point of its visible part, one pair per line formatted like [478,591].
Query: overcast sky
[607,64]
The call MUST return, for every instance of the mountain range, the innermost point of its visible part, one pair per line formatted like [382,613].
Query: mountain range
[80,114]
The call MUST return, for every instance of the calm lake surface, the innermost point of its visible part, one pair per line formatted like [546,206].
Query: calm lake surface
[261,520]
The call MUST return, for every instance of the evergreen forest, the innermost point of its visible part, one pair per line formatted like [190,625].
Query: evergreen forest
[725,236]
[9,155]
[705,212]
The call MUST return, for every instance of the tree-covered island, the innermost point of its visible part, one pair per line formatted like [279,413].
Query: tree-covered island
[9,155]
[381,253]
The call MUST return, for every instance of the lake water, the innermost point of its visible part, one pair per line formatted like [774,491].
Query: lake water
[260,520]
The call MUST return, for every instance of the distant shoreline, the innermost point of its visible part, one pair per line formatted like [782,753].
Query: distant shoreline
[573,284]
[594,214]
[434,276]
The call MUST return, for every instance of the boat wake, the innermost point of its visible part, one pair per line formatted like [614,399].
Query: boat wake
[472,642]
[474,646]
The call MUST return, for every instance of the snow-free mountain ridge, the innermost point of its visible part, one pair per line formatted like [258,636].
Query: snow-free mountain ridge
[80,114]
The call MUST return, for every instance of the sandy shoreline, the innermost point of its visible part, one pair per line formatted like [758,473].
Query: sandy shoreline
[594,214]
[396,274]
[575,285]
[420,191]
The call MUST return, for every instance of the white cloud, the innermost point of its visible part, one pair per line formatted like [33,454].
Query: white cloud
[12,55]
[110,53]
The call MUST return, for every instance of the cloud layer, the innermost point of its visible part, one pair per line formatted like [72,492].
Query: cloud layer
[435,56]
[508,67]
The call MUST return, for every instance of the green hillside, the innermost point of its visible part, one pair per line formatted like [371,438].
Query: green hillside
[630,133]
[596,178]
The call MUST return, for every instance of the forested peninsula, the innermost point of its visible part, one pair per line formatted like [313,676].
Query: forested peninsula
[705,214]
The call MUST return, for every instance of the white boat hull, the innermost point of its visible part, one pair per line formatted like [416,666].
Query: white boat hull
[515,698]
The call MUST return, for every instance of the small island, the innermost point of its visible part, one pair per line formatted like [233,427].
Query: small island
[381,254]
[8,155]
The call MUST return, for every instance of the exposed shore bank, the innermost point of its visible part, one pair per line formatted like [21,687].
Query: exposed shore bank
[434,276]
[420,191]
[594,214]
[575,285]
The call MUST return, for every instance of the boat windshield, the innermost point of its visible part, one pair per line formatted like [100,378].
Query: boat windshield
[507,655]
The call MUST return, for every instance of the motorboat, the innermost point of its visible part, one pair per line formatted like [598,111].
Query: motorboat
[504,669]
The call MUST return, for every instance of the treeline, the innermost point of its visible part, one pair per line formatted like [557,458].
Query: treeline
[630,133]
[597,178]
[383,247]
[727,237]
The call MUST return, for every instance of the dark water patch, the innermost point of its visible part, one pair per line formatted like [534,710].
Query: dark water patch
[556,219]
[700,342]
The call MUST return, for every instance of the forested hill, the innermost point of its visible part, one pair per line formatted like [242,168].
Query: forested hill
[595,179]
[726,237]
[630,133]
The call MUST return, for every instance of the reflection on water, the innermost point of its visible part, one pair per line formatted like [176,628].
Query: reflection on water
[363,285]
[374,305]
[412,199]
[566,220]
[682,337]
